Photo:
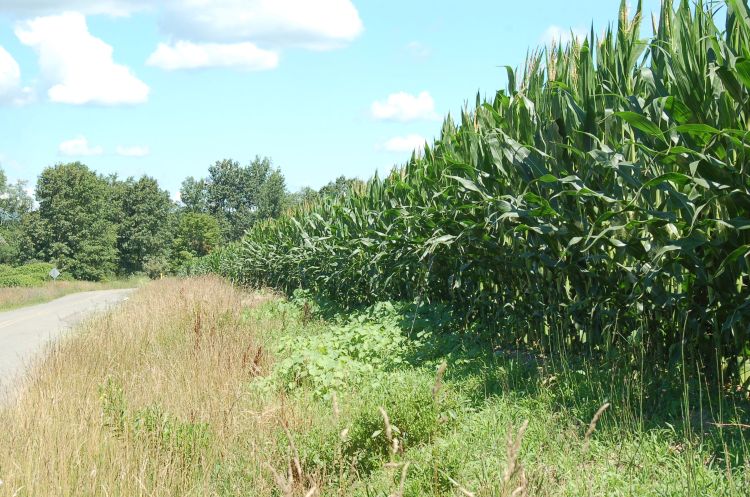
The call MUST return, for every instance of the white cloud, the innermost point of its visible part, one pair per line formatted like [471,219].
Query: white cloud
[10,81]
[405,107]
[79,147]
[223,30]
[407,143]
[316,24]
[78,66]
[132,151]
[10,73]
[249,34]
[188,55]
[30,8]
[555,35]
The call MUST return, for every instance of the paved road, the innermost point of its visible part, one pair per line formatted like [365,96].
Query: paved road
[24,332]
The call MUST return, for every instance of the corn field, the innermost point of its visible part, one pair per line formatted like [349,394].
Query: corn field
[600,201]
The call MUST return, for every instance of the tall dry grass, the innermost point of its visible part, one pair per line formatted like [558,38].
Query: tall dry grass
[150,399]
[159,398]
[12,298]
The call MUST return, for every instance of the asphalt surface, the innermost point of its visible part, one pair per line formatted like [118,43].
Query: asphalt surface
[25,332]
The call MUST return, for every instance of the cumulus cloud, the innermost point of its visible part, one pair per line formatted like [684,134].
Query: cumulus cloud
[10,75]
[79,147]
[405,107]
[271,24]
[78,67]
[407,143]
[229,33]
[132,151]
[188,55]
[317,24]
[555,35]
[310,23]
[31,8]
[10,81]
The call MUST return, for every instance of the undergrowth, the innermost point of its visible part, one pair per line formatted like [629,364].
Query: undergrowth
[454,402]
[195,388]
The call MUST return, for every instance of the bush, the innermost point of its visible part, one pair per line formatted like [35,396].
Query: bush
[30,275]
[340,355]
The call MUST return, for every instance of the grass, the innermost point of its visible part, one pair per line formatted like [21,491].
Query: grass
[15,297]
[194,387]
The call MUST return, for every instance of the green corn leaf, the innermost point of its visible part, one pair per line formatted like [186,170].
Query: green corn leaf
[641,123]
[466,183]
[678,178]
[743,72]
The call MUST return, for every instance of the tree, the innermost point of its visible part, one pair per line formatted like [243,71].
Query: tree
[231,197]
[340,187]
[73,226]
[14,205]
[271,196]
[196,235]
[303,196]
[14,202]
[194,194]
[237,196]
[144,228]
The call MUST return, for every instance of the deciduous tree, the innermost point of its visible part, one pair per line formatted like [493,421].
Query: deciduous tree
[73,226]
[145,224]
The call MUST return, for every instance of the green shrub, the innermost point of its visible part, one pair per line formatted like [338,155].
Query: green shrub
[29,275]
[340,355]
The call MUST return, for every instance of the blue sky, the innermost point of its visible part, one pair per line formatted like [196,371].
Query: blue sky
[323,87]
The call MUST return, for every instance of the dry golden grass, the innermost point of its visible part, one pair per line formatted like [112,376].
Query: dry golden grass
[159,398]
[12,298]
[149,399]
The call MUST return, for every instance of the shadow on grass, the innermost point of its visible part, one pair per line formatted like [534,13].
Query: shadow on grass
[644,393]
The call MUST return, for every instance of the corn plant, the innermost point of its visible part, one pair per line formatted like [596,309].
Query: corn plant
[601,200]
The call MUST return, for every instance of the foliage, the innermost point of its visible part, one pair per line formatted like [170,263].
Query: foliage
[156,266]
[14,205]
[14,202]
[144,225]
[340,187]
[342,355]
[196,235]
[600,201]
[455,425]
[237,196]
[224,260]
[199,428]
[194,195]
[74,226]
[10,243]
[28,275]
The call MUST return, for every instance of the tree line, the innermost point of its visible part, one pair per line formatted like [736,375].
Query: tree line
[96,227]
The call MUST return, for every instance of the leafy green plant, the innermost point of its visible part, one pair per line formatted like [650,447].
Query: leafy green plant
[339,356]
[29,275]
[600,200]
